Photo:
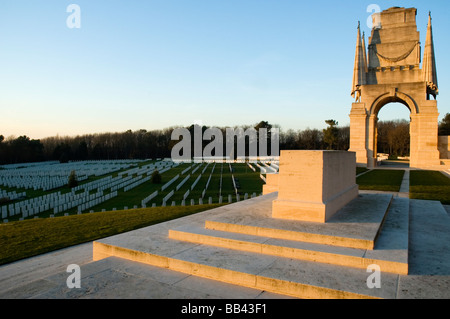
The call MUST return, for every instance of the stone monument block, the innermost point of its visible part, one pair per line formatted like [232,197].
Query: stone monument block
[314,185]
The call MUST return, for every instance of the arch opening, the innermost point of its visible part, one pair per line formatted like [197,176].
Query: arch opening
[392,136]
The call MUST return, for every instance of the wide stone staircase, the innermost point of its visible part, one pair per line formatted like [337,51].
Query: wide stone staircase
[243,245]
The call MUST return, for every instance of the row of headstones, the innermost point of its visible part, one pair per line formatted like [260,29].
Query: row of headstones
[80,200]
[149,198]
[99,170]
[133,170]
[197,168]
[139,180]
[210,200]
[263,170]
[49,171]
[196,181]
[173,180]
[11,195]
[27,165]
[209,180]
[199,176]
[266,169]
[48,177]
[125,181]
[33,206]
[111,195]
[182,182]
[170,194]
[44,183]
[114,184]
[94,184]
[167,185]
[234,181]
[63,206]
[71,200]
[56,201]
[96,201]
[52,168]
[186,170]
[220,182]
[272,169]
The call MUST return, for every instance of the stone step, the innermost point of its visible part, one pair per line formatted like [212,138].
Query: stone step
[290,268]
[355,226]
[388,261]
[291,277]
[390,253]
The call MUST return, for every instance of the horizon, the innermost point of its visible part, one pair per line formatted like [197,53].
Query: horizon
[281,131]
[155,66]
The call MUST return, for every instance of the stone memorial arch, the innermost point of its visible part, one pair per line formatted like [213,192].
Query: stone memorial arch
[389,71]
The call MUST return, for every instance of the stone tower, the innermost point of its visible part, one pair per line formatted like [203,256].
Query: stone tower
[388,71]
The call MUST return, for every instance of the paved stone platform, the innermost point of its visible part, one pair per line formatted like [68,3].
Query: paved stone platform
[45,276]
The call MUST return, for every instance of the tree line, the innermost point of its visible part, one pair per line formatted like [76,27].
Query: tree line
[393,138]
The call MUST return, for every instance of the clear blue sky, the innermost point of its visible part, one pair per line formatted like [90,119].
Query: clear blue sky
[157,63]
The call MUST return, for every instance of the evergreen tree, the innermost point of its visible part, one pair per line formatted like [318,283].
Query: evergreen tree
[444,125]
[73,181]
[156,178]
[331,134]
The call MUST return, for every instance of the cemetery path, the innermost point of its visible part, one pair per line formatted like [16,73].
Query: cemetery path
[23,274]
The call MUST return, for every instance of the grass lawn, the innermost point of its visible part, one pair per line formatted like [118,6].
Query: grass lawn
[430,185]
[381,180]
[360,170]
[29,238]
[214,184]
[227,183]
[249,181]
